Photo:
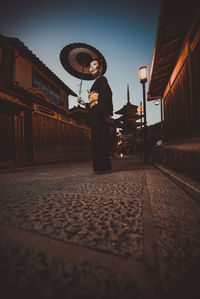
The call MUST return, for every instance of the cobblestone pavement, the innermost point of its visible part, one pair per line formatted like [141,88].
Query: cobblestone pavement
[67,233]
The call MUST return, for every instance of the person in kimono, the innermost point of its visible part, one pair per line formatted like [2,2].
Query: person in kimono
[100,109]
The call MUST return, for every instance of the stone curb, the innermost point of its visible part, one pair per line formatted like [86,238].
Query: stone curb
[188,188]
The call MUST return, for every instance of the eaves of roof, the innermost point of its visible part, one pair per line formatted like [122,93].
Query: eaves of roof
[27,97]
[77,109]
[127,108]
[174,21]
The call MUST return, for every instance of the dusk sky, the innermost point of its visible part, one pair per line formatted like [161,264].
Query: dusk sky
[123,31]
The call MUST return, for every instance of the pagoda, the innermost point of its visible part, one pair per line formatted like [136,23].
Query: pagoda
[127,122]
[129,116]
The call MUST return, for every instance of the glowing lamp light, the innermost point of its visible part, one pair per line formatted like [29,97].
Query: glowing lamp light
[157,102]
[140,109]
[143,74]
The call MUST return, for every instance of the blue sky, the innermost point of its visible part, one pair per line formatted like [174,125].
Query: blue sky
[123,31]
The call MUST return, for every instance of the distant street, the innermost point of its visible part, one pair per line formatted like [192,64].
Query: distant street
[67,233]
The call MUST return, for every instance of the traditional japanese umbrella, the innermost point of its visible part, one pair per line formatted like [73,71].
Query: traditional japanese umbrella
[76,58]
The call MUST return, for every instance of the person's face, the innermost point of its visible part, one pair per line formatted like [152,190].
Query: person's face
[94,68]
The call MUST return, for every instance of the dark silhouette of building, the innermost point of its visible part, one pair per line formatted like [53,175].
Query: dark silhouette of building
[175,67]
[80,114]
[34,121]
[175,74]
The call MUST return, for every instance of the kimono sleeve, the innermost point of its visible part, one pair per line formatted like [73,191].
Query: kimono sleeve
[105,97]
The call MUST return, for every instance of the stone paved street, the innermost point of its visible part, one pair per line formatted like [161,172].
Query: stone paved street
[67,233]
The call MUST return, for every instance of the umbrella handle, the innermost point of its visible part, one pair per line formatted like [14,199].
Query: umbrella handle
[81,80]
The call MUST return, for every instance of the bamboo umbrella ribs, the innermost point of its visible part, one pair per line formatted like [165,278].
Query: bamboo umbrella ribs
[76,58]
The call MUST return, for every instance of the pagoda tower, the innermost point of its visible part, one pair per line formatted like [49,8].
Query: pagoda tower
[127,122]
[129,116]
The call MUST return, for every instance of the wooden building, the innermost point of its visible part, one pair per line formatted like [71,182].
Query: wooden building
[175,79]
[175,71]
[34,121]
[79,113]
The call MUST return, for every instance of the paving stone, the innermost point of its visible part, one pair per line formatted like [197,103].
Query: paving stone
[93,221]
[179,257]
[104,214]
[176,218]
[28,274]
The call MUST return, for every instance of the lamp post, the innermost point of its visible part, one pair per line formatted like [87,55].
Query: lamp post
[143,80]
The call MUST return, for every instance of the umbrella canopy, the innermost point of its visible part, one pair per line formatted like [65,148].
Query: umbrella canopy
[76,58]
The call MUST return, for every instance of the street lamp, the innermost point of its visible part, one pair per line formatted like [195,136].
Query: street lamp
[143,80]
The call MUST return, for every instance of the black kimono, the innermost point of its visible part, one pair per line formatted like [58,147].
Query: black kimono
[100,126]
